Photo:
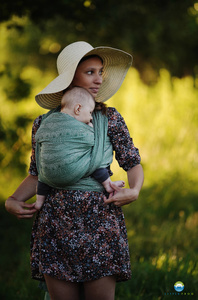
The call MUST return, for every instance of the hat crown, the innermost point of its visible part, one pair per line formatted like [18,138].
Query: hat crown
[72,54]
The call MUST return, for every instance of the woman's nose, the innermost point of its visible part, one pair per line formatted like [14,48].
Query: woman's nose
[98,79]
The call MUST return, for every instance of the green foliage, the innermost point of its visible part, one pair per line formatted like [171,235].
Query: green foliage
[17,89]
[158,33]
[161,117]
[162,120]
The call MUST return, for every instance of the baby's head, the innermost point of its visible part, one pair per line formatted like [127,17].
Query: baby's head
[78,103]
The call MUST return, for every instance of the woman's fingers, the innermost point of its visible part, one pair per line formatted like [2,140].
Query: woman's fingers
[20,209]
[27,211]
[122,196]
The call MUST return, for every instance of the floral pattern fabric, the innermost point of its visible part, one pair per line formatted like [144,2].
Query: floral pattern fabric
[75,236]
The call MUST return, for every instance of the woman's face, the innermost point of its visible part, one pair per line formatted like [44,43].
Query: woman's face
[89,75]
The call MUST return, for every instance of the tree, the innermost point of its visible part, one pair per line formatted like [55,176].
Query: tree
[158,33]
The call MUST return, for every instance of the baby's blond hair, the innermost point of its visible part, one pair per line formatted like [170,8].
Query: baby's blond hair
[74,96]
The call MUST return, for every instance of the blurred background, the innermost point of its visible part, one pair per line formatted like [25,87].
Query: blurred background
[159,102]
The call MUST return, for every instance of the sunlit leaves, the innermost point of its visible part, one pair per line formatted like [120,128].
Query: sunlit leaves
[158,33]
[17,89]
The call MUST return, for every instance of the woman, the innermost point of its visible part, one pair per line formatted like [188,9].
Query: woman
[80,236]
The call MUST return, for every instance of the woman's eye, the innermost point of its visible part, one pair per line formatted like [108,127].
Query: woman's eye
[89,72]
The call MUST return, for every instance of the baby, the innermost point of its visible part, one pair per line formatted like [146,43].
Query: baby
[79,104]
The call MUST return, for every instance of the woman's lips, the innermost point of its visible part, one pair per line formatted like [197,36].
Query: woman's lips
[94,90]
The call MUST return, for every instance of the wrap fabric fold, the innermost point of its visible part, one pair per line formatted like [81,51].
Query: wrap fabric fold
[69,151]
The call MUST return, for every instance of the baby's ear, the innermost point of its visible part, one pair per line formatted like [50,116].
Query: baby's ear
[77,109]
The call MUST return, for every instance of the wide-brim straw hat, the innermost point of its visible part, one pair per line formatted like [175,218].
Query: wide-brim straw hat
[115,66]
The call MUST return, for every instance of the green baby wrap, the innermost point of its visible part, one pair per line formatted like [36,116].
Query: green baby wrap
[69,151]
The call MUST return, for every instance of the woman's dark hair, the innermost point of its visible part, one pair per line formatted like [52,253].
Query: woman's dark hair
[101,106]
[90,56]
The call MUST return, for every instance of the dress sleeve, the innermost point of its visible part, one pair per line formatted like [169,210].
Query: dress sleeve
[32,169]
[126,153]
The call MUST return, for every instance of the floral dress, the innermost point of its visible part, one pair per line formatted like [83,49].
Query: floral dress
[75,237]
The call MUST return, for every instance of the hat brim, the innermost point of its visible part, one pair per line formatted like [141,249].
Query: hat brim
[115,65]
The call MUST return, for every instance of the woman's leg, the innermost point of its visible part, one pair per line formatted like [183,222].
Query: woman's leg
[101,289]
[62,290]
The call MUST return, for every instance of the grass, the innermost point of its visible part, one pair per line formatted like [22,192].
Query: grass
[162,225]
[15,278]
[162,232]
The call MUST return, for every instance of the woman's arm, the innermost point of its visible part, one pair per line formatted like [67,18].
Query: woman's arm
[123,196]
[27,189]
[128,158]
[136,178]
[16,203]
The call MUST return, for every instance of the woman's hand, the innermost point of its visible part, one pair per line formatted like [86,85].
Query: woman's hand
[20,209]
[122,196]
[16,205]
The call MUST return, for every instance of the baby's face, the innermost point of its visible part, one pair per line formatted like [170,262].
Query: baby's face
[86,112]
